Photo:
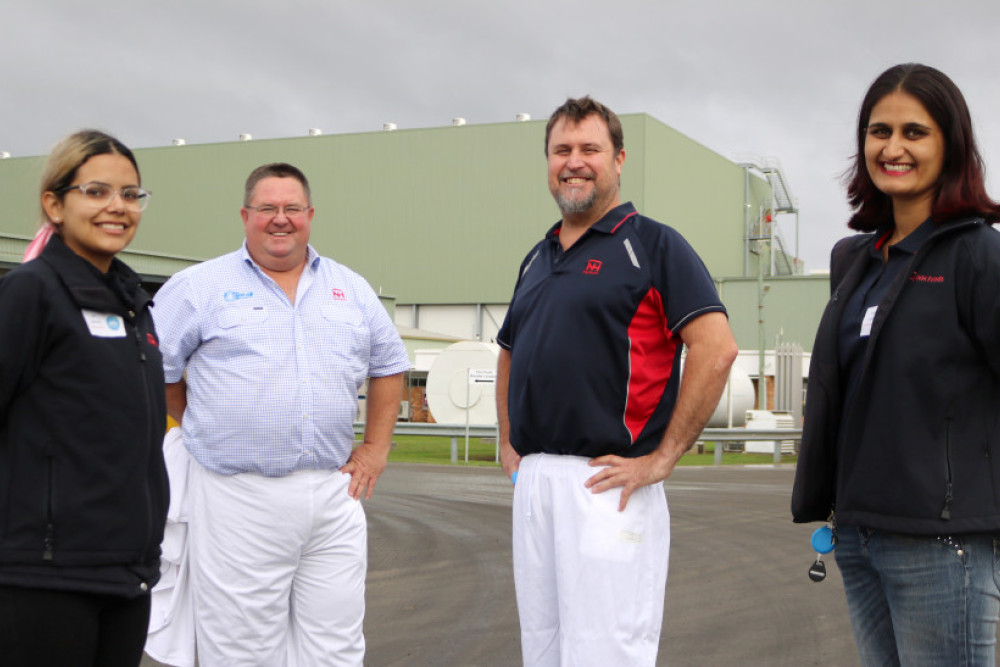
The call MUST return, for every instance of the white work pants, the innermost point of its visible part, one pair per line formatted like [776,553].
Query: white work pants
[277,569]
[590,580]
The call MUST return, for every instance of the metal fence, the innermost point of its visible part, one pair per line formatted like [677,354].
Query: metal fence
[716,435]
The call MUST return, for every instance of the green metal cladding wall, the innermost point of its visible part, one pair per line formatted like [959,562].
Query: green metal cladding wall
[792,309]
[696,191]
[439,215]
[434,216]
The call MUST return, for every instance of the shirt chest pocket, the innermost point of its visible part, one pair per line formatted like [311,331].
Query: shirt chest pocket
[243,330]
[347,332]
[249,316]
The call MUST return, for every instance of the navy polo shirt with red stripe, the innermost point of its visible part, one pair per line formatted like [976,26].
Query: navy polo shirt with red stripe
[593,334]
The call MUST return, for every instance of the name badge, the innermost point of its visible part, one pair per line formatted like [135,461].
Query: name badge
[866,324]
[104,325]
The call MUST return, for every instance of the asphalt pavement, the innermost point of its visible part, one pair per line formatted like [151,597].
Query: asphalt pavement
[441,593]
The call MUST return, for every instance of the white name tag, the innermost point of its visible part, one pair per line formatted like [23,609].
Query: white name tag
[104,325]
[866,324]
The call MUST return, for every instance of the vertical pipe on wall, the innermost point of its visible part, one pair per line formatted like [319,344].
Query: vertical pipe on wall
[746,220]
[761,290]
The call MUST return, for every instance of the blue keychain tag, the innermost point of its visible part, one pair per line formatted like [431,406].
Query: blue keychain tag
[822,540]
[823,543]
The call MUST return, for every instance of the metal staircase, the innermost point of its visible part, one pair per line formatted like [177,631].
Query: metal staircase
[762,234]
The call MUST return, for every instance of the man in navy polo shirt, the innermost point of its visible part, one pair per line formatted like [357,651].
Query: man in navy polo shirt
[589,401]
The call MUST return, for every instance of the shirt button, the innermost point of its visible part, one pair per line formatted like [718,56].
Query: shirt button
[144,586]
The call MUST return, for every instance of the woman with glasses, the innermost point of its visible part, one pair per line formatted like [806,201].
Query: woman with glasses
[901,441]
[83,488]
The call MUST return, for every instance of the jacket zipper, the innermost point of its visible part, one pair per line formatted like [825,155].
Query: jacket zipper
[149,426]
[948,497]
[48,544]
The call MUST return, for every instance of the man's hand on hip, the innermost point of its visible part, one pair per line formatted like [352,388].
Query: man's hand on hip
[365,466]
[630,474]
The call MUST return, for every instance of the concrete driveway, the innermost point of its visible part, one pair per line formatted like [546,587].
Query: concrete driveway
[440,588]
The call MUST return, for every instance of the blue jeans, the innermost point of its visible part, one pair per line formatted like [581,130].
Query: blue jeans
[921,600]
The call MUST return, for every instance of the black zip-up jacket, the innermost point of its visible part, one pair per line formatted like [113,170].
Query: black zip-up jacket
[83,486]
[918,451]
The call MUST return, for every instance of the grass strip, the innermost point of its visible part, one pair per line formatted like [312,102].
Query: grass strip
[482,452]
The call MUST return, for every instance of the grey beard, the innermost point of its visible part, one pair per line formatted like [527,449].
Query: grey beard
[576,206]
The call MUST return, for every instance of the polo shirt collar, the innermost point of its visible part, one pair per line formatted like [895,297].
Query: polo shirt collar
[911,244]
[609,224]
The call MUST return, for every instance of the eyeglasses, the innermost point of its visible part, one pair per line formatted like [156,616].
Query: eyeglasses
[100,195]
[271,211]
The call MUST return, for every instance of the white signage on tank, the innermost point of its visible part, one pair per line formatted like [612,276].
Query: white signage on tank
[482,376]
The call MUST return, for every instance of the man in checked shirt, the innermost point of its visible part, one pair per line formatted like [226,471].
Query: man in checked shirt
[264,350]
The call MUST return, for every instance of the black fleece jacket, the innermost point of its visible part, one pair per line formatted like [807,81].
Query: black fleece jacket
[83,487]
[918,450]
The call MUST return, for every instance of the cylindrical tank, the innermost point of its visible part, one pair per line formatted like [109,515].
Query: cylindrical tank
[459,384]
[456,385]
[737,398]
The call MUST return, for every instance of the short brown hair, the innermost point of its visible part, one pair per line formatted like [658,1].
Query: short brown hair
[275,170]
[575,110]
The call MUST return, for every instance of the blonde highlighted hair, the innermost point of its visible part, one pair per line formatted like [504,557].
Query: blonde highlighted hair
[69,155]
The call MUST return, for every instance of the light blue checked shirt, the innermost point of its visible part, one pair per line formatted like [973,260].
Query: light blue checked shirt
[272,386]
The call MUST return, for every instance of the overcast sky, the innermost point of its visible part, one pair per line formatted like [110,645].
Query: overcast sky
[777,78]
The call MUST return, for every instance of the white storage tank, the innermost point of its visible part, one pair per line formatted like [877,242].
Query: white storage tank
[737,398]
[461,384]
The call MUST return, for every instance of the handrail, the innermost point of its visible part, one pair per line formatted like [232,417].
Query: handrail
[454,431]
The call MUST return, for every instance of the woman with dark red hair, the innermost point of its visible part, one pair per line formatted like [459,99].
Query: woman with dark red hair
[901,441]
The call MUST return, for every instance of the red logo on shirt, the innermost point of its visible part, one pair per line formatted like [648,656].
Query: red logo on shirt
[339,295]
[151,339]
[921,278]
[593,267]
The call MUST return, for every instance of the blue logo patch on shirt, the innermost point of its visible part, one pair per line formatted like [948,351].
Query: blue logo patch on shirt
[114,322]
[233,295]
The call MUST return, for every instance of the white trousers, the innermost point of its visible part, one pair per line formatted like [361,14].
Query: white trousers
[277,569]
[590,580]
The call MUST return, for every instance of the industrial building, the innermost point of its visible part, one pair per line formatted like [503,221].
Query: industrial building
[439,219]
